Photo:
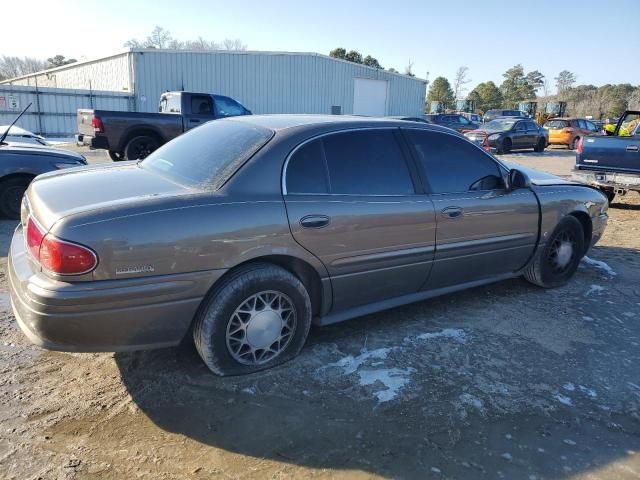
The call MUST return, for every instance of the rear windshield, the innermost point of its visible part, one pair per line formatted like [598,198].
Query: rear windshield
[512,113]
[556,124]
[207,156]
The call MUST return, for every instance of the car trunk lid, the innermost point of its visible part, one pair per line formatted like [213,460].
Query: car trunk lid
[59,194]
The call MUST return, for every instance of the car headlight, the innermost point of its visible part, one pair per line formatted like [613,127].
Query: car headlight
[495,136]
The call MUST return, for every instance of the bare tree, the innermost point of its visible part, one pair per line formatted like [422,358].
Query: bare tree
[11,67]
[202,44]
[233,44]
[459,82]
[159,38]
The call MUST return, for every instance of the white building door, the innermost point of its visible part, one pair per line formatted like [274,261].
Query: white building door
[369,97]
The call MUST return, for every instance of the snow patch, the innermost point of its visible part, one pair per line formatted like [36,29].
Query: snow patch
[394,379]
[454,333]
[588,391]
[569,442]
[599,264]
[507,456]
[563,399]
[350,364]
[251,390]
[569,387]
[594,289]
[471,400]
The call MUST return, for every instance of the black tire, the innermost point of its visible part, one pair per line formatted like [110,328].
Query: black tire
[540,145]
[116,156]
[506,145]
[574,143]
[11,193]
[140,147]
[545,270]
[217,312]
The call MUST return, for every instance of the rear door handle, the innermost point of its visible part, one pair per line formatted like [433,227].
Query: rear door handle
[632,148]
[315,221]
[452,212]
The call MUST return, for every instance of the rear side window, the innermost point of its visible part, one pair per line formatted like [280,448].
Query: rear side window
[207,156]
[307,171]
[367,163]
[452,164]
[226,107]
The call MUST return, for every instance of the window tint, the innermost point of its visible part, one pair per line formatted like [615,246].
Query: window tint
[306,172]
[170,104]
[583,124]
[591,126]
[201,105]
[521,126]
[452,164]
[531,126]
[226,107]
[556,124]
[367,163]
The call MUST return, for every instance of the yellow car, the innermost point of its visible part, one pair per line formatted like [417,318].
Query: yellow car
[569,131]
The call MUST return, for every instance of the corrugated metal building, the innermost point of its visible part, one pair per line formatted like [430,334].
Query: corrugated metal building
[265,82]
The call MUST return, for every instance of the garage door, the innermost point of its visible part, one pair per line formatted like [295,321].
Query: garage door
[369,97]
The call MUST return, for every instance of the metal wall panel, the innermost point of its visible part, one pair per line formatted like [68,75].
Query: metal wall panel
[268,82]
[110,73]
[53,110]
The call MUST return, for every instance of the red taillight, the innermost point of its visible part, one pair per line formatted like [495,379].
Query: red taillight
[580,142]
[58,256]
[96,123]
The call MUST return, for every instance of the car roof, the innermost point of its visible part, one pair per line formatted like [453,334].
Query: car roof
[279,122]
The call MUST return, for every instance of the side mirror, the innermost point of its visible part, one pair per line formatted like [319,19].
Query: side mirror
[518,179]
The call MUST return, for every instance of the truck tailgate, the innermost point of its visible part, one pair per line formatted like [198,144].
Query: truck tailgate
[620,154]
[83,119]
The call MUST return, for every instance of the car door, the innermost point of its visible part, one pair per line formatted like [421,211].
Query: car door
[533,133]
[199,110]
[354,202]
[520,135]
[483,229]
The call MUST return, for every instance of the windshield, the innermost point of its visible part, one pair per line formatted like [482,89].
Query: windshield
[208,155]
[499,125]
[557,124]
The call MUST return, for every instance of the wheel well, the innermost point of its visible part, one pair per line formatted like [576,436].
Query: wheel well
[587,227]
[11,176]
[139,133]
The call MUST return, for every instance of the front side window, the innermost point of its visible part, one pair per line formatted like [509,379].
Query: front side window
[453,165]
[226,107]
[521,127]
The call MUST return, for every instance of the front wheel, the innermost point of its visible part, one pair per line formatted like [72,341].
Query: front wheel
[556,262]
[258,317]
[140,147]
[11,193]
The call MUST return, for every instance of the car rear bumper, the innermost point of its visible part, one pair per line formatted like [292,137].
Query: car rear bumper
[108,315]
[607,180]
[560,138]
[92,142]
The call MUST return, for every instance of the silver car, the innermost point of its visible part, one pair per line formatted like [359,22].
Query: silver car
[244,231]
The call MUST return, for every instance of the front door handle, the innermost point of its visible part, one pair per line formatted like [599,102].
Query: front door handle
[194,120]
[632,148]
[315,221]
[452,212]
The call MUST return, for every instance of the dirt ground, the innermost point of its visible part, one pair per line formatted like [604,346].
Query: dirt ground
[504,381]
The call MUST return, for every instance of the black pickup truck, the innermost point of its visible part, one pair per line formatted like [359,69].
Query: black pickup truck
[134,135]
[612,163]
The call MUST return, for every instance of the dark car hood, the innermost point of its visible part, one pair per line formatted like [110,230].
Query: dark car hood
[537,177]
[41,150]
[62,193]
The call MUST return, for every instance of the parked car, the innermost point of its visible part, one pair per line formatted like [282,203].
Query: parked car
[472,117]
[506,134]
[245,230]
[492,114]
[452,120]
[569,131]
[17,135]
[612,163]
[134,135]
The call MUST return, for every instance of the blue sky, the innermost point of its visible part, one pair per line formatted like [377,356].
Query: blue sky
[488,36]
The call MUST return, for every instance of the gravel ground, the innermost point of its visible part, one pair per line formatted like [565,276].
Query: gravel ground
[504,381]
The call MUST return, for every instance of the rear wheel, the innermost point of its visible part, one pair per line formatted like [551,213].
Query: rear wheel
[541,145]
[141,147]
[258,317]
[558,260]
[11,193]
[611,194]
[574,143]
[116,156]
